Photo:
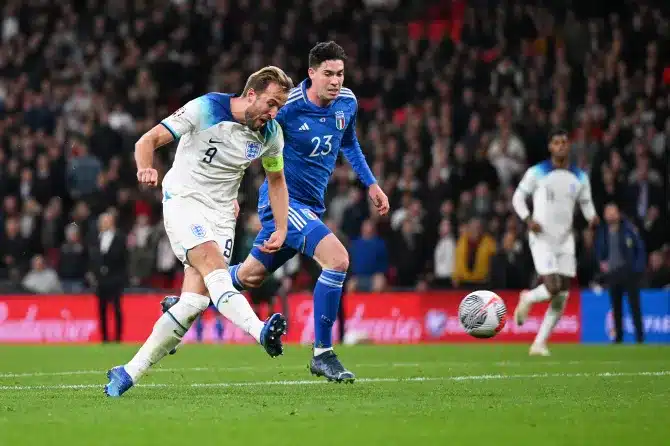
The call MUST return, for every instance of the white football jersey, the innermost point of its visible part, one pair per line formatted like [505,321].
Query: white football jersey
[555,193]
[214,151]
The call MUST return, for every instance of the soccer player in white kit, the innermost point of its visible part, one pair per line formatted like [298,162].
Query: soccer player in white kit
[556,187]
[219,136]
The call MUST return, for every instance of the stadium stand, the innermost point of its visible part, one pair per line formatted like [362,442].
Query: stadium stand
[456,99]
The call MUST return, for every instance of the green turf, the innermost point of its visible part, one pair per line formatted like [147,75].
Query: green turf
[475,394]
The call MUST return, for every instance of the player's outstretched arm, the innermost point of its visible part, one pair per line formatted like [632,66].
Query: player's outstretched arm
[525,189]
[586,203]
[144,153]
[354,155]
[279,203]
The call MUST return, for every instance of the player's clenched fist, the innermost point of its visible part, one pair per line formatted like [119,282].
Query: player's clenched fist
[148,176]
[274,243]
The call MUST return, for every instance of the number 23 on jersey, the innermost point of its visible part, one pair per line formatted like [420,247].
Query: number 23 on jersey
[322,146]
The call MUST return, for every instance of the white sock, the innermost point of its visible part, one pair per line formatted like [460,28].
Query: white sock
[318,351]
[538,294]
[233,305]
[168,332]
[551,317]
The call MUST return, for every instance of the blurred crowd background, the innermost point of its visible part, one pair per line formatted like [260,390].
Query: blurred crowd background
[456,99]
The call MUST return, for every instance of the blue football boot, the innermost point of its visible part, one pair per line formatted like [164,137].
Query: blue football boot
[274,329]
[119,382]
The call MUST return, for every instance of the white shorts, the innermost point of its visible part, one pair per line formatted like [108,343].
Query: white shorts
[550,259]
[189,223]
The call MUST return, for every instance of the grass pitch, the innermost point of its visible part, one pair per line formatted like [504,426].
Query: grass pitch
[405,395]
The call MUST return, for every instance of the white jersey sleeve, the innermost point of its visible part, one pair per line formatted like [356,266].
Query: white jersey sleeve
[585,199]
[188,119]
[526,188]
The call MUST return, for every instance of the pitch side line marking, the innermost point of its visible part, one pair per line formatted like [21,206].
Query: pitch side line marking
[301,367]
[361,380]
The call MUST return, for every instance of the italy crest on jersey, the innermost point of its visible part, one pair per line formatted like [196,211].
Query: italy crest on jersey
[253,150]
[339,120]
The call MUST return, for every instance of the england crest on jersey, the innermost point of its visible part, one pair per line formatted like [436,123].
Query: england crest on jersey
[339,120]
[253,150]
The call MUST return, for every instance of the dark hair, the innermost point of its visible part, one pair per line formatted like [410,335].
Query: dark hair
[324,51]
[557,132]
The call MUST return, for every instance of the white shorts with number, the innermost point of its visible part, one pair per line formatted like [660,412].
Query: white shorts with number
[190,222]
[550,258]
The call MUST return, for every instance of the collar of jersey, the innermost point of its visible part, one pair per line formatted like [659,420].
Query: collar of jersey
[305,85]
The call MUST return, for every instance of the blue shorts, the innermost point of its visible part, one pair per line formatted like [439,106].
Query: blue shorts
[305,231]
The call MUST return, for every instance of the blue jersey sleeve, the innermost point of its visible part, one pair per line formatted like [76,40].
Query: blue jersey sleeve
[281,116]
[354,154]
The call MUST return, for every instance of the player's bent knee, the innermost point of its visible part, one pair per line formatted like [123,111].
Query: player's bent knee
[331,254]
[253,281]
[252,273]
[339,263]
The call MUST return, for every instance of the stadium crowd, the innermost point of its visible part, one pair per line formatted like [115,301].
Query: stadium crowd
[456,100]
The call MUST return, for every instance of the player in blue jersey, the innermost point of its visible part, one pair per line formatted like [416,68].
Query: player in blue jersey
[318,120]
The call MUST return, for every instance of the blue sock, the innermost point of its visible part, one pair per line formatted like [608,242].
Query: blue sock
[199,328]
[219,328]
[236,281]
[327,293]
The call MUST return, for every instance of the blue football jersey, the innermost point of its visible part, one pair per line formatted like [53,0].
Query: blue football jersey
[313,137]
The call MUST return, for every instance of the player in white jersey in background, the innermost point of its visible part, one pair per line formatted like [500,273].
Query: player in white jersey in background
[556,187]
[219,136]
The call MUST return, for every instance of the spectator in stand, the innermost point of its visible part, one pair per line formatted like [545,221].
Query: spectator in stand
[369,260]
[108,272]
[435,119]
[73,260]
[643,191]
[406,250]
[587,263]
[444,256]
[653,230]
[507,153]
[474,252]
[41,279]
[509,269]
[622,257]
[142,246]
[83,171]
[658,275]
[52,223]
[13,250]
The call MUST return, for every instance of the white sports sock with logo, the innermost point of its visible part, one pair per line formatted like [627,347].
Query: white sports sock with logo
[233,305]
[168,332]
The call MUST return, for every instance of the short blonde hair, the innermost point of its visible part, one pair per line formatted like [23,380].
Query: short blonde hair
[261,79]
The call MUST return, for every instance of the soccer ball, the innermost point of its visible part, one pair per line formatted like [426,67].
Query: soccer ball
[482,314]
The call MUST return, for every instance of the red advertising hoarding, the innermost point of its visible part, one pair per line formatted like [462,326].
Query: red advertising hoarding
[425,317]
[384,318]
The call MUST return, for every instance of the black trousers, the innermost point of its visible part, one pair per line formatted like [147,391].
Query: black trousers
[110,295]
[626,282]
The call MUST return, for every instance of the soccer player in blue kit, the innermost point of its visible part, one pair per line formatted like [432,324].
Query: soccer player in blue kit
[318,119]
